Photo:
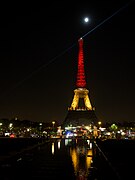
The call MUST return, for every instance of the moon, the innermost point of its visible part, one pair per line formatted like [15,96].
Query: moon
[86,19]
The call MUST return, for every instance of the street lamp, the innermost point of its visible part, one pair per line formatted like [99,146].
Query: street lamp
[99,123]
[53,122]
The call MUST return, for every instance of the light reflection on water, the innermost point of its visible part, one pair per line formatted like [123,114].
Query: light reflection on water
[81,153]
[52,147]
[82,157]
[59,144]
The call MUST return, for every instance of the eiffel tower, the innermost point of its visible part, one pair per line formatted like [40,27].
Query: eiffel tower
[81,112]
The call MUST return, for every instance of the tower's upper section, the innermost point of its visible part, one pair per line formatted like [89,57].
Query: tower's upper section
[81,82]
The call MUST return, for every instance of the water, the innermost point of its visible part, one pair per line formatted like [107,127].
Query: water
[74,159]
[58,158]
[81,153]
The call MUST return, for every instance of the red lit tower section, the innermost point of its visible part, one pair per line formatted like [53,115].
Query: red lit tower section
[81,82]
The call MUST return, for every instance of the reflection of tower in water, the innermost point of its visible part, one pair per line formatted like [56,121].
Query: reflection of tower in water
[81,155]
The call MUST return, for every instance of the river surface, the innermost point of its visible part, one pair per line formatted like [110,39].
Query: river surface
[73,159]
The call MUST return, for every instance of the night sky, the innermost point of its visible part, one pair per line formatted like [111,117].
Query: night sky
[39,54]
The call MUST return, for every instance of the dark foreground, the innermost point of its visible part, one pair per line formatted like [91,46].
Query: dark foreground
[66,159]
[116,159]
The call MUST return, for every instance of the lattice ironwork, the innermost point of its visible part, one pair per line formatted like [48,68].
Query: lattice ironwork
[81,82]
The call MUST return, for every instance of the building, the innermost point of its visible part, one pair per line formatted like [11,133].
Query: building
[81,112]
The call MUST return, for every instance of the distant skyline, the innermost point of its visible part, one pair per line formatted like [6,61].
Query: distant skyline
[39,54]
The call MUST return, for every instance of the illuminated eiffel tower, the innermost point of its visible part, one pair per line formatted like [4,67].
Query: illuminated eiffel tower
[81,112]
